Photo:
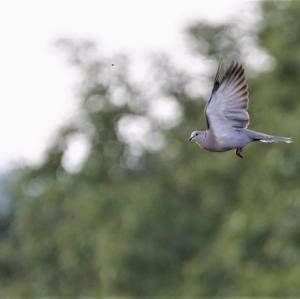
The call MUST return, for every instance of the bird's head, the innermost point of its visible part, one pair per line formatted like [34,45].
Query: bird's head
[197,136]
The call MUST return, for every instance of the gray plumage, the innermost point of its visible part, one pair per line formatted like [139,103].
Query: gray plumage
[226,115]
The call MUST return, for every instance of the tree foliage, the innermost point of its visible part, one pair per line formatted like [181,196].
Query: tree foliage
[155,216]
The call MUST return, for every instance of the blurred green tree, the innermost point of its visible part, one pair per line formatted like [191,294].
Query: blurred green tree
[156,216]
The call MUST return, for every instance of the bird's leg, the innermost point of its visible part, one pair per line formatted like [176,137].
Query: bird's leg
[238,152]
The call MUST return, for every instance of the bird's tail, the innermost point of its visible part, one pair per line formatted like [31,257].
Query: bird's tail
[267,138]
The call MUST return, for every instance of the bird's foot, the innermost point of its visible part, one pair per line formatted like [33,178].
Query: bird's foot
[238,152]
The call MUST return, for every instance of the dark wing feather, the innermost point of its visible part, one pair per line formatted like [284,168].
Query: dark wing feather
[218,79]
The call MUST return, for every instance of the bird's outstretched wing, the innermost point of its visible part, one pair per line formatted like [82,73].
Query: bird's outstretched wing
[228,103]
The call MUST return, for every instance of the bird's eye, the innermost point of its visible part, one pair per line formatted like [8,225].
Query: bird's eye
[196,134]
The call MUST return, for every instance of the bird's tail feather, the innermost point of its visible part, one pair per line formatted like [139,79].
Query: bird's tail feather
[267,138]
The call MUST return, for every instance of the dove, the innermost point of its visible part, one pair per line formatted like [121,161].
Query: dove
[226,114]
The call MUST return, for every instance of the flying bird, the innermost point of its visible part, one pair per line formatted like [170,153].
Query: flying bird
[227,118]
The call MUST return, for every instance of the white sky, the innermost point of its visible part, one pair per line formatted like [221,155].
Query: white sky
[36,91]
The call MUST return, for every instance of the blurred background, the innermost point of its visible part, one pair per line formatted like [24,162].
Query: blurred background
[100,192]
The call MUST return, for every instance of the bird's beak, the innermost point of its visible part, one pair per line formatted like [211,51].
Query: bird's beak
[190,139]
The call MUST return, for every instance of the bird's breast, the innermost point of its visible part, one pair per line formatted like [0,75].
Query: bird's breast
[219,143]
